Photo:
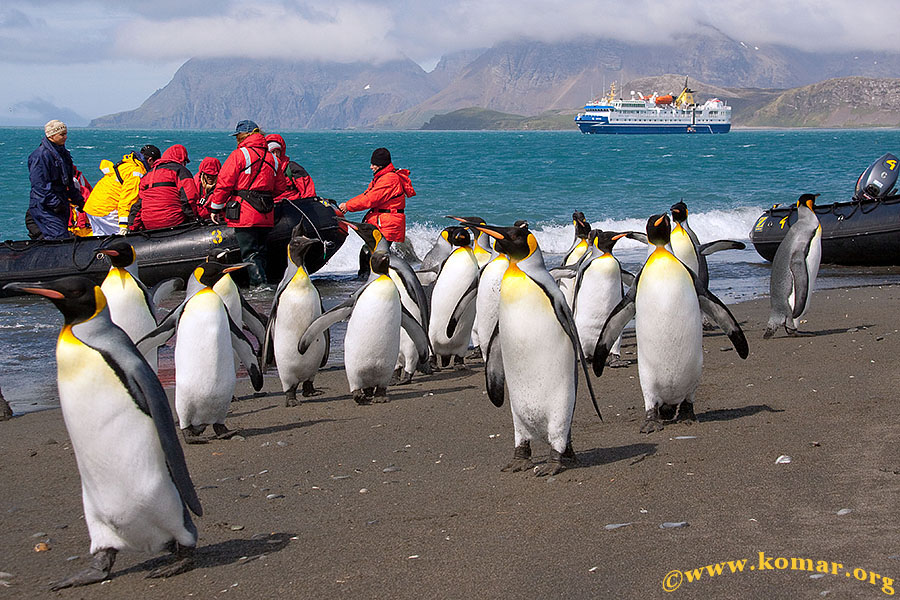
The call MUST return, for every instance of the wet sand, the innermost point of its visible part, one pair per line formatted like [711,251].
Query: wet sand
[407,500]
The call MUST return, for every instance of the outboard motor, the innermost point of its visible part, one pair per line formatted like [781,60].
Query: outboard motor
[878,180]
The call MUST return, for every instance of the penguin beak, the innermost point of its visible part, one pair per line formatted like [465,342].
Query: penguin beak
[619,236]
[350,224]
[494,234]
[108,252]
[31,288]
[233,268]
[659,221]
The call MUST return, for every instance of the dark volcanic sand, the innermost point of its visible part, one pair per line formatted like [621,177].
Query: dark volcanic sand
[406,499]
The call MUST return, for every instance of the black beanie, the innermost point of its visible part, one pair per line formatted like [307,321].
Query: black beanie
[381,157]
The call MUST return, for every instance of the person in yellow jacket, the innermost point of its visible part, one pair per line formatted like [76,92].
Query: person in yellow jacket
[110,202]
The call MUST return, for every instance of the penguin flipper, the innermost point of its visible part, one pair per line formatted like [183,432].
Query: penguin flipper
[462,306]
[253,321]
[416,333]
[245,354]
[164,289]
[564,271]
[719,245]
[163,332]
[144,387]
[801,283]
[627,277]
[718,312]
[413,287]
[494,376]
[638,237]
[315,329]
[612,329]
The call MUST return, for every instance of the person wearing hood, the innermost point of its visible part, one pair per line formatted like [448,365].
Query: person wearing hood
[109,205]
[300,184]
[53,189]
[385,201]
[245,193]
[167,194]
[205,182]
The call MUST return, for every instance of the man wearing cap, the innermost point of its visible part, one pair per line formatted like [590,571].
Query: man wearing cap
[51,171]
[385,199]
[244,196]
[109,205]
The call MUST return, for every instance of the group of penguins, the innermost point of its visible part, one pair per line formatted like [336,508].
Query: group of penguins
[532,326]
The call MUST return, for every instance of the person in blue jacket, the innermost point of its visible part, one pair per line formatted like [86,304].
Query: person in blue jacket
[51,171]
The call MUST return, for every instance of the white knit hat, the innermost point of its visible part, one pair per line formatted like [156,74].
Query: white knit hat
[54,127]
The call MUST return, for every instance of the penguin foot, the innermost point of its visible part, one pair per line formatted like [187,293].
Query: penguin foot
[521,459]
[686,413]
[309,390]
[380,395]
[614,362]
[290,397]
[474,354]
[184,561]
[445,361]
[100,568]
[433,364]
[191,434]
[460,363]
[768,333]
[667,412]
[222,432]
[361,397]
[405,378]
[568,457]
[425,368]
[652,422]
[553,466]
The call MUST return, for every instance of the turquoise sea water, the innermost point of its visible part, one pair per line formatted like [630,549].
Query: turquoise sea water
[617,181]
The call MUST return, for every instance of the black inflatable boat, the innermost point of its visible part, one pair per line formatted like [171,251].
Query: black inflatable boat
[862,231]
[173,252]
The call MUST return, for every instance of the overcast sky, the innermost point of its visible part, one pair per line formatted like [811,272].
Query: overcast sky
[78,58]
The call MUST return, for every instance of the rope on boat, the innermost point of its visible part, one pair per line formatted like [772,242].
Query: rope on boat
[313,225]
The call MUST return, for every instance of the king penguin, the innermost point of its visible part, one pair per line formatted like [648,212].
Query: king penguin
[457,280]
[687,247]
[794,270]
[131,305]
[599,288]
[579,249]
[533,353]
[431,264]
[666,301]
[241,311]
[206,341]
[372,340]
[135,484]
[297,304]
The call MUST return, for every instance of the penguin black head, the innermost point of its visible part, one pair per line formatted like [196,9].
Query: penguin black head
[120,253]
[659,229]
[604,240]
[808,200]
[380,262]
[679,212]
[516,242]
[209,272]
[582,227]
[521,223]
[369,233]
[300,245]
[459,236]
[77,298]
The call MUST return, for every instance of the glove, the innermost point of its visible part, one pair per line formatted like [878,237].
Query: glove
[122,231]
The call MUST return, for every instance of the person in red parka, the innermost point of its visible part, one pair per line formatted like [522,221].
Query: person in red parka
[300,184]
[167,195]
[205,180]
[385,201]
[245,193]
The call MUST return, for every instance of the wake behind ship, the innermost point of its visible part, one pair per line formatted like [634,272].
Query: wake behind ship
[654,114]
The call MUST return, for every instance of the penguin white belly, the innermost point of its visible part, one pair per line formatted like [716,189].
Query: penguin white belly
[598,295]
[204,367]
[459,272]
[130,501]
[128,308]
[538,363]
[813,258]
[408,357]
[669,333]
[487,302]
[298,306]
[683,249]
[567,284]
[372,341]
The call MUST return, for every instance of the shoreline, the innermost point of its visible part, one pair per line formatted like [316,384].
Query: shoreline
[406,499]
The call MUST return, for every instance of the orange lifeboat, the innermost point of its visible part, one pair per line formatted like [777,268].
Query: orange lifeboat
[667,99]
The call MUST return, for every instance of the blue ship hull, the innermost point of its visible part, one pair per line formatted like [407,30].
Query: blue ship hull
[595,127]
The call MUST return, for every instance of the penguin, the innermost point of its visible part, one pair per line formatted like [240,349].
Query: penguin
[372,340]
[487,299]
[241,311]
[533,353]
[573,255]
[412,297]
[666,302]
[296,304]
[431,264]
[687,247]
[206,340]
[598,289]
[131,305]
[794,270]
[136,488]
[457,279]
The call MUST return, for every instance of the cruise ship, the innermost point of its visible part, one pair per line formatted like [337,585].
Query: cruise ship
[654,114]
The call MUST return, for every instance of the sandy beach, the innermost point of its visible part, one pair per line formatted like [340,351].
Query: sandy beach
[407,500]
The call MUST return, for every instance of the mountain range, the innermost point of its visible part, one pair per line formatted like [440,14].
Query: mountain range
[522,78]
